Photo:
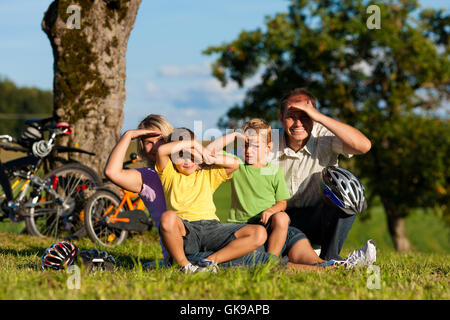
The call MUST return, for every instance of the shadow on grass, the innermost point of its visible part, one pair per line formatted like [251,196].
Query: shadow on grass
[123,261]
[34,253]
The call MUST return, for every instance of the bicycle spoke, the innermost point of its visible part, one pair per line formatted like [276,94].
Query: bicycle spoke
[43,212]
[61,218]
[75,185]
[101,208]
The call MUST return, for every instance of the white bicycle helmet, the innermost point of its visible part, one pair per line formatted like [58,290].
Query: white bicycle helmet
[343,189]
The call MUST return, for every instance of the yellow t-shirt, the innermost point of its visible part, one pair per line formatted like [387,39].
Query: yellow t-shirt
[192,196]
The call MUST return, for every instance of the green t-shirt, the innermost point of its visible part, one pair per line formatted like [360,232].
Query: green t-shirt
[254,190]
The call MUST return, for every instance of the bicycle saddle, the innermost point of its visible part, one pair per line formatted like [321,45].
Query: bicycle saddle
[39,122]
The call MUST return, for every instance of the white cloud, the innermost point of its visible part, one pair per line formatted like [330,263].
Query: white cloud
[151,87]
[173,71]
[194,97]
[206,94]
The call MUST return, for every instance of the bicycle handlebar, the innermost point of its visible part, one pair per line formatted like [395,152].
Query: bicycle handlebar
[59,128]
[133,159]
[55,129]
[6,137]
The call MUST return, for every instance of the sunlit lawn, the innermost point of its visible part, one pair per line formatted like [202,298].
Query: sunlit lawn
[422,274]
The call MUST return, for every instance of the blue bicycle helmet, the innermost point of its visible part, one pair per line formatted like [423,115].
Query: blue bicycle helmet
[343,189]
[98,260]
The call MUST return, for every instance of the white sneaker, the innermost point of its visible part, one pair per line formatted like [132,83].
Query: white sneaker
[208,266]
[316,248]
[365,256]
[190,268]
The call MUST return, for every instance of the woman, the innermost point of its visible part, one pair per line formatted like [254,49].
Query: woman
[152,132]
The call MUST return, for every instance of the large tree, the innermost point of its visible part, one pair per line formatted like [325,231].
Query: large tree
[89,41]
[381,78]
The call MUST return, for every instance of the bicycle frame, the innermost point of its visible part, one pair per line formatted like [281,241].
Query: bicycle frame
[129,198]
[9,189]
[28,179]
[37,181]
[35,161]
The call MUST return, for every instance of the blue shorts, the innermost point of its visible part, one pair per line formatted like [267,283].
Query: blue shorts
[208,235]
[259,256]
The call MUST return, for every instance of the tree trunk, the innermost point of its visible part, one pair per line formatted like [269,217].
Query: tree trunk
[89,71]
[396,225]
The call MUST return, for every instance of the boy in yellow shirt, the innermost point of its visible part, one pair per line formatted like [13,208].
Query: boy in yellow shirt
[191,225]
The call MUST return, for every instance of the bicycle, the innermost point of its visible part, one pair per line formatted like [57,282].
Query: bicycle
[51,204]
[109,217]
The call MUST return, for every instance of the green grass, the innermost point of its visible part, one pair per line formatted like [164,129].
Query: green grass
[411,276]
[421,274]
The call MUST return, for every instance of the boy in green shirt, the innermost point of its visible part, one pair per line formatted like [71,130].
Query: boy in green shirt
[258,189]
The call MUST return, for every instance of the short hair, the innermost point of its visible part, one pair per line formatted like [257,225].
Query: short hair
[180,133]
[287,98]
[154,121]
[259,125]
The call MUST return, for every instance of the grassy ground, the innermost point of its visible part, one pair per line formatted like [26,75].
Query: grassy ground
[422,274]
[411,276]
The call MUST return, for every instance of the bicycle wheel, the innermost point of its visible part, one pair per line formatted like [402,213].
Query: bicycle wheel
[48,215]
[11,185]
[99,207]
[15,185]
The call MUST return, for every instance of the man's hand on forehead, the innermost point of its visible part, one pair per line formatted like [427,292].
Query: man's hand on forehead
[303,108]
[301,103]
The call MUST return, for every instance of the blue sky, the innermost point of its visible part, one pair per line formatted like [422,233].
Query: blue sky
[166,71]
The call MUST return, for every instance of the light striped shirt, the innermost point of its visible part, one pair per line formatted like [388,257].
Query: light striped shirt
[302,169]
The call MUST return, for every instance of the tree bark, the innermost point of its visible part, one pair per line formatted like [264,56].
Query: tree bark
[89,71]
[396,226]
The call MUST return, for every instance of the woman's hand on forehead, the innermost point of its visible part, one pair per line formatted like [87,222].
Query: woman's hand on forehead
[146,133]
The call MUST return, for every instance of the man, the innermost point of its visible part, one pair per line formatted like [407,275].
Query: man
[310,142]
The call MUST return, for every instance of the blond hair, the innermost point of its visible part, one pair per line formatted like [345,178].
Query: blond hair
[259,126]
[154,121]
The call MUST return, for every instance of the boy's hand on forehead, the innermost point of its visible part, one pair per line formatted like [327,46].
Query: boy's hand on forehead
[240,135]
[251,139]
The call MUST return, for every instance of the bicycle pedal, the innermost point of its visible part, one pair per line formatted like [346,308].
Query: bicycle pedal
[12,211]
[16,217]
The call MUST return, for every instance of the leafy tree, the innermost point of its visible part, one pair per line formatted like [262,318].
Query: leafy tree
[19,103]
[89,41]
[381,81]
